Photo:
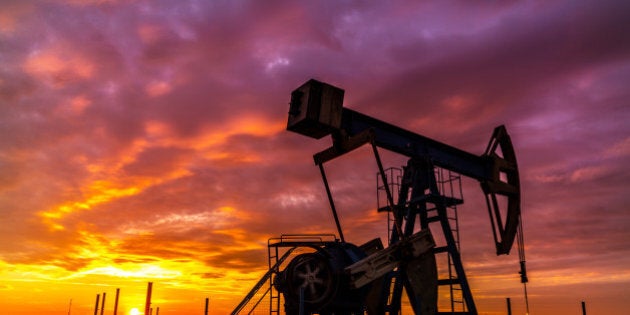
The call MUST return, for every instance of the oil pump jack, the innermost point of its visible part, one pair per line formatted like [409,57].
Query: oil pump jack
[337,277]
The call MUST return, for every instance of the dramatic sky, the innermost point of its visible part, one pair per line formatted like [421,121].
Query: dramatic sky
[145,141]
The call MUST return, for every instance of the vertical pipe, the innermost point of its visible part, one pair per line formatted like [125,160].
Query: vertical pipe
[98,297]
[116,302]
[158,311]
[583,308]
[509,306]
[206,311]
[147,305]
[103,304]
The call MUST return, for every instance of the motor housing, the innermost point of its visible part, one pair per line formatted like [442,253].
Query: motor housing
[321,278]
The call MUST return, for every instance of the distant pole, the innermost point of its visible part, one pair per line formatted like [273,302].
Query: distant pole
[509,306]
[583,308]
[116,301]
[151,311]
[70,307]
[206,311]
[157,312]
[98,297]
[147,305]
[103,304]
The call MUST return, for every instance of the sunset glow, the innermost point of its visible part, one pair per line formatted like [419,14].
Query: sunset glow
[145,142]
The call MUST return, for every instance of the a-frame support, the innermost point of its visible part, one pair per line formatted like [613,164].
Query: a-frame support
[419,197]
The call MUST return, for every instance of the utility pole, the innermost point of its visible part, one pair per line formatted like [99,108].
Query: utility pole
[206,311]
[147,305]
[98,297]
[103,304]
[509,306]
[583,308]
[116,302]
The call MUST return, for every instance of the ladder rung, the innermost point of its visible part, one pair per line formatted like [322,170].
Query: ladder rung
[384,209]
[441,249]
[448,281]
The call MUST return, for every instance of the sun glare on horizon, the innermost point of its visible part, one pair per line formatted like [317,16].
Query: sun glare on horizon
[134,311]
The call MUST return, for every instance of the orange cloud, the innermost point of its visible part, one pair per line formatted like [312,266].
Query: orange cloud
[106,183]
[58,64]
[149,33]
[12,14]
[79,103]
[158,88]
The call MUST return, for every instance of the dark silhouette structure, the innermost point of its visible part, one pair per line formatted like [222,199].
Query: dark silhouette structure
[337,277]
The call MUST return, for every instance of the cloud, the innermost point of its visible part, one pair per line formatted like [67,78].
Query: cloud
[147,140]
